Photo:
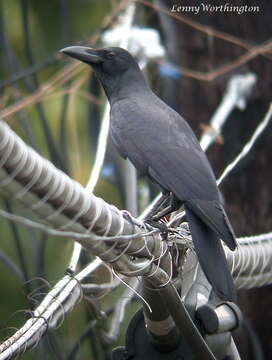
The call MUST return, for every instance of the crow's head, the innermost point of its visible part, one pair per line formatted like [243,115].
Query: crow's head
[112,60]
[114,66]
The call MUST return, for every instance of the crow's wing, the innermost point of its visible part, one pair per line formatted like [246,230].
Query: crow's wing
[162,145]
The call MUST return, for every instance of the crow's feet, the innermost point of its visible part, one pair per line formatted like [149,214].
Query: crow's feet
[174,204]
[159,225]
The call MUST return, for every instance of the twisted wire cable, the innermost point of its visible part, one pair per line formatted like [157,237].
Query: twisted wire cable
[66,205]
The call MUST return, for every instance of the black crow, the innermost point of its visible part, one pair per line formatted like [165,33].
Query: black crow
[161,145]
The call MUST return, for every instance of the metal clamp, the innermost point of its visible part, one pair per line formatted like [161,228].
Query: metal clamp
[221,319]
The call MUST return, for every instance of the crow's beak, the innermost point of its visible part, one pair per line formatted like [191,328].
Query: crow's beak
[83,53]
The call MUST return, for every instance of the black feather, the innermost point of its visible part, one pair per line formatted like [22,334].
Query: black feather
[211,257]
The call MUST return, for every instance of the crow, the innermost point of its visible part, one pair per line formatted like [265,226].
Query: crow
[162,146]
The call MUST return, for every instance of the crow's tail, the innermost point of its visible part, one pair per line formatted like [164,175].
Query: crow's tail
[211,257]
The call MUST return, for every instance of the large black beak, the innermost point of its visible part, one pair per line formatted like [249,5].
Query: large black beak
[83,53]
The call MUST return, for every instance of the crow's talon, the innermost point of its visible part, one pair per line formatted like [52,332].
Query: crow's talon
[161,226]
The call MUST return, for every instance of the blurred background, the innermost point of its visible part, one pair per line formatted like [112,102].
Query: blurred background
[56,105]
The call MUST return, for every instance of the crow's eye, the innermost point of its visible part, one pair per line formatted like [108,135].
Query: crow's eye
[110,55]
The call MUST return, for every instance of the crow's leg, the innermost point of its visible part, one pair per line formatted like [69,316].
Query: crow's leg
[164,199]
[174,205]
